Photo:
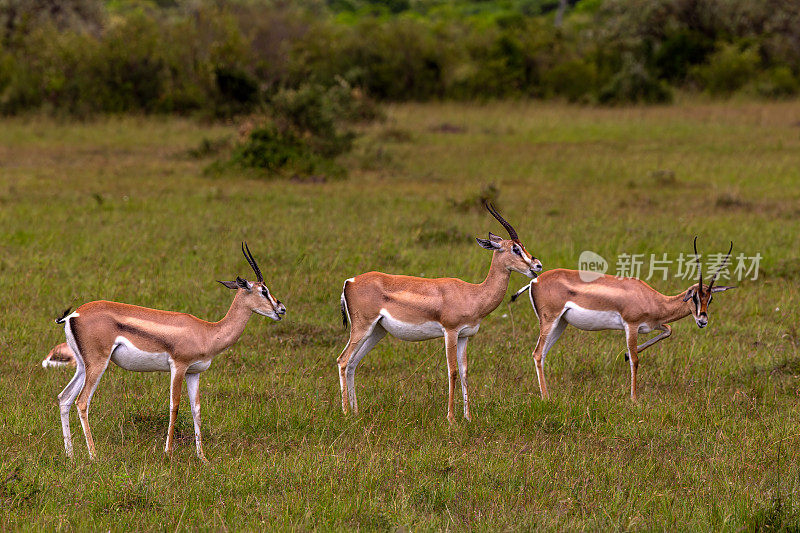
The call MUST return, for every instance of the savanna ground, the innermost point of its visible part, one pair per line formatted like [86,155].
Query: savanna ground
[116,209]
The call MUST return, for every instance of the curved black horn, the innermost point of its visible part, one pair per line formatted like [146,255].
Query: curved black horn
[509,228]
[699,267]
[721,265]
[250,259]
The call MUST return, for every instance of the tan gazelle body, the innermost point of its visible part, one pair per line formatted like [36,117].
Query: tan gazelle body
[593,302]
[140,339]
[415,309]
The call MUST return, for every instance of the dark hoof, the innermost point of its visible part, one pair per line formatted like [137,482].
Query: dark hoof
[627,359]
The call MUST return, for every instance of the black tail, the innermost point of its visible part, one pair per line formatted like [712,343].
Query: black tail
[520,292]
[63,316]
[344,314]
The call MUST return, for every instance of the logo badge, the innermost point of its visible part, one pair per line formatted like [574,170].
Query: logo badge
[591,266]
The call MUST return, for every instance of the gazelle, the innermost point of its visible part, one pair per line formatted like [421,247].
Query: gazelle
[148,340]
[416,309]
[560,297]
[60,355]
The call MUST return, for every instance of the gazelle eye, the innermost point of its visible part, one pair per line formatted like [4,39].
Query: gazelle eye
[516,250]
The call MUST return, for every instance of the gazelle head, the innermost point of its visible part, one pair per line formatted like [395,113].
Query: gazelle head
[701,295]
[514,255]
[256,294]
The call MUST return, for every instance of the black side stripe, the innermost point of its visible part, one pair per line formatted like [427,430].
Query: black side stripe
[168,346]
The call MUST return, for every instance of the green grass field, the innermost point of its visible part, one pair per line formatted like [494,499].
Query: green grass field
[115,209]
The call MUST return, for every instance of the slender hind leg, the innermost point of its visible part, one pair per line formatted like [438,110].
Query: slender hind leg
[356,339]
[368,344]
[193,388]
[548,335]
[461,353]
[71,391]
[358,335]
[65,401]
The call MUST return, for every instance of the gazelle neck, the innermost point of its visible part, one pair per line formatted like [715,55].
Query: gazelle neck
[493,289]
[228,330]
[675,308]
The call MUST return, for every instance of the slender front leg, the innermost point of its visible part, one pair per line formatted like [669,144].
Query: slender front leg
[667,331]
[193,389]
[451,351]
[631,332]
[177,373]
[462,368]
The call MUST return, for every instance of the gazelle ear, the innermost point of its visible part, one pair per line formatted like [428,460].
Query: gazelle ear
[489,245]
[494,238]
[243,283]
[722,288]
[229,284]
[689,295]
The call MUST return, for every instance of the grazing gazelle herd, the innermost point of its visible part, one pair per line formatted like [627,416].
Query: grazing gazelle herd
[409,308]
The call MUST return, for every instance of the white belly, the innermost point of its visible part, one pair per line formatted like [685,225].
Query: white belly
[129,357]
[408,331]
[591,320]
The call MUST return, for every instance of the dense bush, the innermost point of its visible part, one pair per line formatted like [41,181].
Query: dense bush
[223,59]
[303,132]
[729,69]
[634,83]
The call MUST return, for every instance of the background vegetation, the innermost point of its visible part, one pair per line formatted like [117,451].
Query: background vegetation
[225,58]
[115,208]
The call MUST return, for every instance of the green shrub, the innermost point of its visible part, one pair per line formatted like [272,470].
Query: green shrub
[634,83]
[129,71]
[728,69]
[777,82]
[506,59]
[574,80]
[311,113]
[305,133]
[391,59]
[679,51]
[271,149]
[238,91]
